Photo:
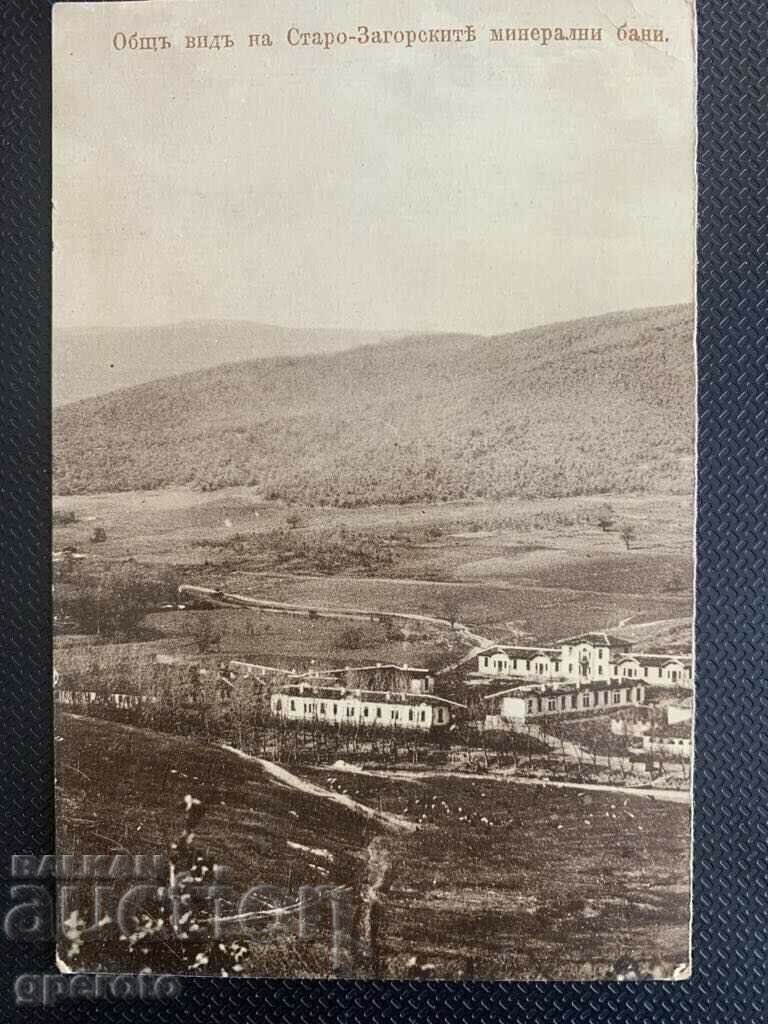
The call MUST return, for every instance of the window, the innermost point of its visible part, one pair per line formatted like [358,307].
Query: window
[514,663]
[293,705]
[410,714]
[335,709]
[617,698]
[530,706]
[600,651]
[570,670]
[278,704]
[539,704]
[350,712]
[322,709]
[586,700]
[645,671]
[394,715]
[439,714]
[365,711]
[421,716]
[551,704]
[674,675]
[574,700]
[605,696]
[378,712]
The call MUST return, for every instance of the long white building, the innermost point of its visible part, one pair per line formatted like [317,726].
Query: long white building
[337,705]
[583,658]
[525,701]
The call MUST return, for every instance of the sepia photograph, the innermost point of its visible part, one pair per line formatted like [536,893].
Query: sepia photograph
[374,451]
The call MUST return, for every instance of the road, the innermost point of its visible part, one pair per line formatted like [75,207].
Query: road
[219,597]
[676,796]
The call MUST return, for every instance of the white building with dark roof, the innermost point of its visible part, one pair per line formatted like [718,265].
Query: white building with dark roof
[667,669]
[587,657]
[386,709]
[526,701]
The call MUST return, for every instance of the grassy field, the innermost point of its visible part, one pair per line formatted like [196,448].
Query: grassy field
[552,884]
[543,613]
[541,567]
[292,641]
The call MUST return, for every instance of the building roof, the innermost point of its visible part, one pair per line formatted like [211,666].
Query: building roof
[556,689]
[520,652]
[597,640]
[654,659]
[503,693]
[412,669]
[374,696]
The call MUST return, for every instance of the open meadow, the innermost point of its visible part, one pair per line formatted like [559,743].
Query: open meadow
[516,881]
[539,568]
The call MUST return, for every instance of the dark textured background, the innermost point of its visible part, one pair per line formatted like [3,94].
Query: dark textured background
[731,897]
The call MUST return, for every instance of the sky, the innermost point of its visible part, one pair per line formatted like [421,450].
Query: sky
[479,187]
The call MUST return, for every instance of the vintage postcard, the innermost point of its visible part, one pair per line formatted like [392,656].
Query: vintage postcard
[374,488]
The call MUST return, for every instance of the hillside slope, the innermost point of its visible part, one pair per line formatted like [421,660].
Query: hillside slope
[94,361]
[597,405]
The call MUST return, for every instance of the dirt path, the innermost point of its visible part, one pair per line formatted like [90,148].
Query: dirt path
[517,583]
[675,796]
[241,600]
[391,822]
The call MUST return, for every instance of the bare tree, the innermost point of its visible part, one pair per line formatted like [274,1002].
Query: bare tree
[294,520]
[451,608]
[628,534]
[208,637]
[606,517]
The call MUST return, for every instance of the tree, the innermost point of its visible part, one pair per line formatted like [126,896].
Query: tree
[628,534]
[294,521]
[451,608]
[352,638]
[63,517]
[208,637]
[98,535]
[606,517]
[115,603]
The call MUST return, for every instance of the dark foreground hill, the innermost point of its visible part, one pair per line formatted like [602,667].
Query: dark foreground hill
[598,405]
[464,886]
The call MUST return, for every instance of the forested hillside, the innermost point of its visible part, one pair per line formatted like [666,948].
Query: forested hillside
[597,405]
[93,361]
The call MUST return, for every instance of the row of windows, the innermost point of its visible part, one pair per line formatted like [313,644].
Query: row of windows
[500,665]
[323,709]
[631,673]
[571,702]
[628,672]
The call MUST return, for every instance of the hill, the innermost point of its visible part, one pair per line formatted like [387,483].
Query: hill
[93,361]
[462,886]
[599,405]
